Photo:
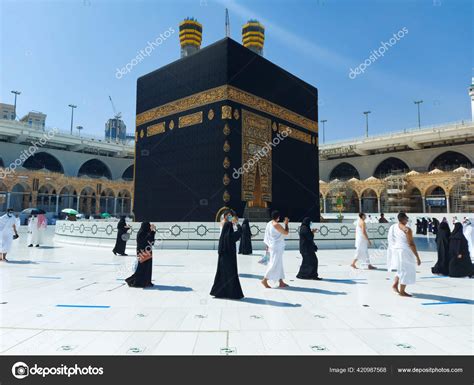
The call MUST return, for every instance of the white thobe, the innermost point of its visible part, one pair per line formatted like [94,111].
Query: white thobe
[6,232]
[391,260]
[361,245]
[405,258]
[469,234]
[276,247]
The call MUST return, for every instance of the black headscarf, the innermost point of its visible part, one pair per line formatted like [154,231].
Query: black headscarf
[121,223]
[457,231]
[306,221]
[306,237]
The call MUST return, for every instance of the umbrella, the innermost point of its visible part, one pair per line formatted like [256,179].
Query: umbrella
[105,215]
[29,211]
[70,211]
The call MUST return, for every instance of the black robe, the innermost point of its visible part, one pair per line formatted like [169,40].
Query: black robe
[442,245]
[120,244]
[226,282]
[309,266]
[458,246]
[245,246]
[424,226]
[142,275]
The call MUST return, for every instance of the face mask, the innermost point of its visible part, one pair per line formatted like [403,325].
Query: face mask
[229,217]
[9,214]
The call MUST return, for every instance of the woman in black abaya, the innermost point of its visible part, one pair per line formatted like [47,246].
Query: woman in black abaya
[442,245]
[121,243]
[309,266]
[226,282]
[460,264]
[145,241]
[245,246]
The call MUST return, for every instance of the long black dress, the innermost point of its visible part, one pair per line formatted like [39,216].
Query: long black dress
[145,241]
[226,282]
[460,264]
[245,246]
[309,266]
[120,244]
[442,245]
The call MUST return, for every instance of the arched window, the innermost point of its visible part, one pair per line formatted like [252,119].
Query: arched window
[344,171]
[369,201]
[95,168]
[390,166]
[43,160]
[128,173]
[450,160]
[436,200]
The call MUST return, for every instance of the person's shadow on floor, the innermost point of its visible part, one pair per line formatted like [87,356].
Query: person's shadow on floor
[442,298]
[263,301]
[169,288]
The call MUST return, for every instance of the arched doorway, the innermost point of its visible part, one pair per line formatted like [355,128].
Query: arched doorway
[20,197]
[342,198]
[369,201]
[450,160]
[87,201]
[124,202]
[416,201]
[46,199]
[3,197]
[344,171]
[107,200]
[436,200]
[68,198]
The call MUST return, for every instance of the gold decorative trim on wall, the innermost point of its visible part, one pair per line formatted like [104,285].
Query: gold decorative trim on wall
[226,129]
[236,114]
[226,162]
[226,146]
[171,125]
[256,134]
[295,134]
[190,120]
[226,112]
[222,93]
[226,196]
[210,114]
[274,127]
[226,180]
[155,129]
[142,134]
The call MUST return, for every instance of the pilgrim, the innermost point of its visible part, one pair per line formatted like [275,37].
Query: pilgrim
[362,243]
[145,241]
[309,266]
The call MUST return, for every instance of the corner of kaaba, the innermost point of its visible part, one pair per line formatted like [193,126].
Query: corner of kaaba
[220,128]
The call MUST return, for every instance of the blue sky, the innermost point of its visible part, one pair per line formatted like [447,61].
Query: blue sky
[62,52]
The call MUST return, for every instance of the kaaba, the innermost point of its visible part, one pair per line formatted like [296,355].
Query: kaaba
[223,127]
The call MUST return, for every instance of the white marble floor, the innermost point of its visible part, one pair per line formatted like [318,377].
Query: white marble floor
[72,300]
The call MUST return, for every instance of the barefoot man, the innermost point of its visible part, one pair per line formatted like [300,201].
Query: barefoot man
[362,243]
[275,241]
[406,255]
[8,232]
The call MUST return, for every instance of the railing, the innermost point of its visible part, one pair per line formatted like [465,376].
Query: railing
[390,134]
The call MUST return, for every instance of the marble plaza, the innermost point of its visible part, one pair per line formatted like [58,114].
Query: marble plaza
[71,299]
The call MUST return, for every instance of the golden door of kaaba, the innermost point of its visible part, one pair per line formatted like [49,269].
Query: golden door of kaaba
[256,160]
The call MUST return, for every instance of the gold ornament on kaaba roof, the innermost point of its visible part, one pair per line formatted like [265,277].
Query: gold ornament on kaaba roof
[236,114]
[210,114]
[226,196]
[226,162]
[226,129]
[226,112]
[171,125]
[142,134]
[226,180]
[275,127]
[226,147]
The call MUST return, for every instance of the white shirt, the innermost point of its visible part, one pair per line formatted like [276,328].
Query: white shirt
[6,223]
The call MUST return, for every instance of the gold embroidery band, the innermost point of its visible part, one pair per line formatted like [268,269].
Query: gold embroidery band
[295,134]
[226,93]
[189,120]
[155,129]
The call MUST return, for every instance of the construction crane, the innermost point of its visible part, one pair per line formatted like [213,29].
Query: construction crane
[227,23]
[117,116]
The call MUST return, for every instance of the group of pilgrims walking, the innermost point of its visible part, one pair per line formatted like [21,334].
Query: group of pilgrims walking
[402,255]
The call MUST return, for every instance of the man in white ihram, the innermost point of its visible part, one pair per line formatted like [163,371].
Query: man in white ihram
[7,233]
[275,241]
